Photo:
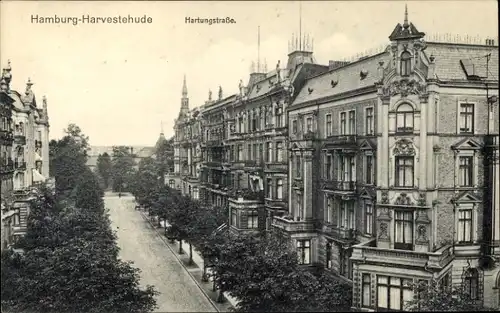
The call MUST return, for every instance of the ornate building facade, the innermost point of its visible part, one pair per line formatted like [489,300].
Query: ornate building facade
[393,170]
[25,154]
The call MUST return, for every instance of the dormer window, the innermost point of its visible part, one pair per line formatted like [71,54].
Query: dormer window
[405,63]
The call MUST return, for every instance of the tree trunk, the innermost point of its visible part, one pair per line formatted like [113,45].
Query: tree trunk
[220,298]
[190,254]
[204,277]
[214,286]
[180,247]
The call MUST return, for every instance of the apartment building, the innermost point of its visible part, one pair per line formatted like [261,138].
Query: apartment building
[216,169]
[257,139]
[187,151]
[25,154]
[393,170]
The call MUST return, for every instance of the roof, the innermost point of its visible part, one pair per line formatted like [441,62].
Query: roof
[448,57]
[145,152]
[347,78]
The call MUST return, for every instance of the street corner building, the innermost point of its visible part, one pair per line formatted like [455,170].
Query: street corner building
[382,170]
[24,158]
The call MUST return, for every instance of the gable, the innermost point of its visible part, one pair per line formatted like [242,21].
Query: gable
[467,144]
[367,145]
[466,197]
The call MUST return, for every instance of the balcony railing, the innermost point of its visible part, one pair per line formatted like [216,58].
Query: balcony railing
[214,143]
[341,233]
[430,260]
[339,185]
[277,166]
[276,203]
[6,167]
[292,226]
[19,138]
[247,194]
[19,165]
[342,140]
[6,135]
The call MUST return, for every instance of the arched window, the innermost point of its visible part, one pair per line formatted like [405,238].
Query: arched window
[404,118]
[471,279]
[405,63]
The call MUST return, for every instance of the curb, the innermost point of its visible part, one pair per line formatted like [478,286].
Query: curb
[182,264]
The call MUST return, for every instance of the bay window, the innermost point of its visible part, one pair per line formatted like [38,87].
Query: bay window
[393,292]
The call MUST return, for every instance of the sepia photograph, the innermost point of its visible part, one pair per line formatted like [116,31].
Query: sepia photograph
[249,156]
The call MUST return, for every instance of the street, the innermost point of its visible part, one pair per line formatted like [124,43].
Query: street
[140,244]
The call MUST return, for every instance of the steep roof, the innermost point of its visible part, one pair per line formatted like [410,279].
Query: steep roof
[343,79]
[448,57]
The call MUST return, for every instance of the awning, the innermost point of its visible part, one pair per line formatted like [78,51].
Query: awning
[38,157]
[37,177]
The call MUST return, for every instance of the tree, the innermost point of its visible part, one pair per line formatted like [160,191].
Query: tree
[88,193]
[434,297]
[165,156]
[145,184]
[68,157]
[104,167]
[70,264]
[122,169]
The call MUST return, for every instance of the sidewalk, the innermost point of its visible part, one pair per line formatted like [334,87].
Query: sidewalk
[195,270]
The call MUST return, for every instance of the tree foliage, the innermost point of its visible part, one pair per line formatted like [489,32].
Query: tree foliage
[165,156]
[434,297]
[104,168]
[88,192]
[122,169]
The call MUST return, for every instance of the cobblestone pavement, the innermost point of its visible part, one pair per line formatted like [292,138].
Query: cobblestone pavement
[140,244]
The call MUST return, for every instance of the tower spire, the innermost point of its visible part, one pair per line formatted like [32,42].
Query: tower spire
[161,128]
[184,87]
[300,26]
[258,49]
[405,23]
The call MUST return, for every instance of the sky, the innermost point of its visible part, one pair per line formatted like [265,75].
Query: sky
[121,82]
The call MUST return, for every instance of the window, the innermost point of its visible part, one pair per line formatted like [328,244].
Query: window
[234,218]
[465,226]
[231,153]
[254,122]
[369,121]
[269,188]
[347,218]
[466,118]
[255,150]
[309,124]
[328,125]
[328,166]
[471,283]
[298,165]
[367,291]
[253,219]
[171,184]
[343,121]
[249,152]
[299,206]
[240,125]
[269,152]
[404,118]
[279,189]
[465,171]
[240,152]
[329,255]
[403,230]
[405,63]
[369,169]
[393,292]
[352,122]
[368,218]
[347,168]
[329,210]
[261,152]
[304,251]
[279,151]
[294,126]
[404,171]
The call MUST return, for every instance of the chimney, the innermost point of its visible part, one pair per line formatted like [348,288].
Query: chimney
[336,64]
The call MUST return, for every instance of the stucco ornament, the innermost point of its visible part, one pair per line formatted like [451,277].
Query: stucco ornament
[422,233]
[404,87]
[383,231]
[404,147]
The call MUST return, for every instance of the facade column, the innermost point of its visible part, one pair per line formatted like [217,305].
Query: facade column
[422,179]
[290,183]
[383,153]
[308,180]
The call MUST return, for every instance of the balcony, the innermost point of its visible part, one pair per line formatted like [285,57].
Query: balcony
[6,136]
[214,143]
[292,226]
[247,195]
[6,168]
[338,185]
[253,165]
[279,167]
[214,164]
[310,135]
[20,139]
[238,164]
[341,140]
[437,260]
[339,233]
[278,204]
[19,165]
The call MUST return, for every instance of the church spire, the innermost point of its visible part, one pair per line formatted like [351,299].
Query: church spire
[184,88]
[405,23]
